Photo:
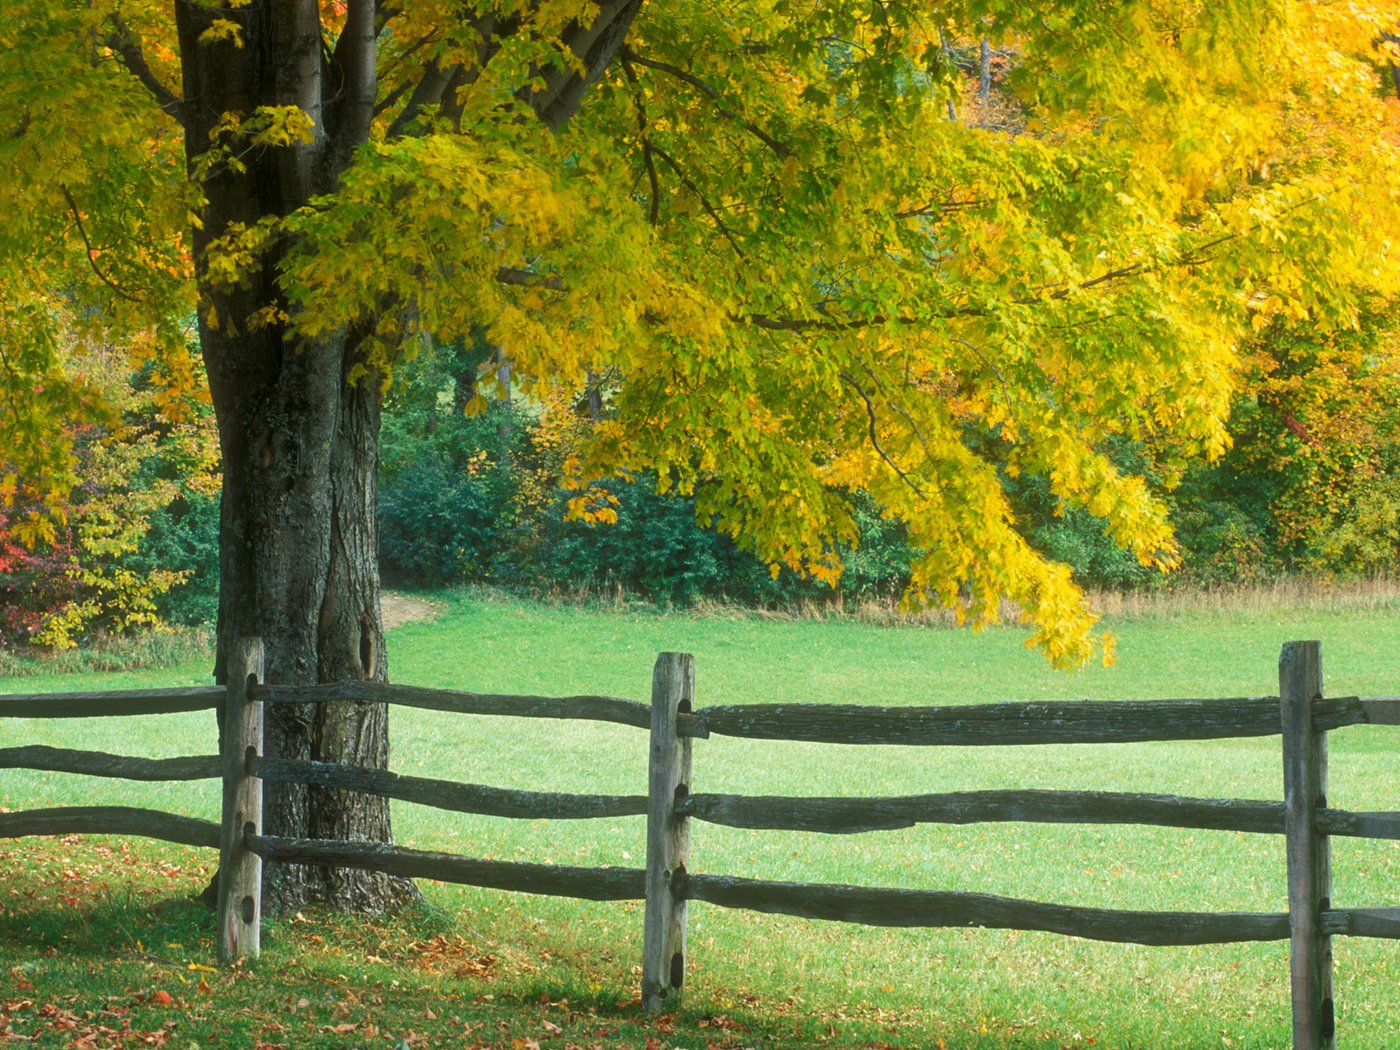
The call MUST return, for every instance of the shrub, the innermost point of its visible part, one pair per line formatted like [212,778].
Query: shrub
[1078,539]
[446,490]
[34,581]
[183,537]
[654,549]
[439,525]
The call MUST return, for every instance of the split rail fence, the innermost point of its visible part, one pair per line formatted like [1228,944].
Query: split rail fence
[1299,714]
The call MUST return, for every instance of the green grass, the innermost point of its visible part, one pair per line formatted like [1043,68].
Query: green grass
[497,961]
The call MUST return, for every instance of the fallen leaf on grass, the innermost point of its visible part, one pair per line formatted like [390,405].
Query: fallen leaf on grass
[721,1021]
[482,967]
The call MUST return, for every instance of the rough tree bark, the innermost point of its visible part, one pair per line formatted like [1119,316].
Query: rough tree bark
[298,545]
[298,542]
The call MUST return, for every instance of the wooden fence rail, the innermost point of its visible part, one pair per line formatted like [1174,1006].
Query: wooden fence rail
[101,764]
[110,820]
[449,794]
[112,702]
[1299,714]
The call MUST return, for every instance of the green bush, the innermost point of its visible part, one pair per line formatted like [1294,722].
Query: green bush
[439,525]
[184,537]
[446,490]
[877,570]
[1074,536]
[1365,538]
[654,550]
[477,499]
[1078,539]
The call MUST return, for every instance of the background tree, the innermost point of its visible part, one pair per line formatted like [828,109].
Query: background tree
[807,279]
[1312,482]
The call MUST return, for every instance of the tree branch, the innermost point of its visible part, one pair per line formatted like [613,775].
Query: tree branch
[1049,293]
[875,435]
[937,208]
[92,252]
[391,99]
[526,279]
[914,427]
[802,324]
[452,104]
[1005,390]
[429,91]
[782,149]
[595,45]
[354,61]
[384,15]
[441,87]
[127,47]
[687,182]
[639,103]
[1393,38]
[399,59]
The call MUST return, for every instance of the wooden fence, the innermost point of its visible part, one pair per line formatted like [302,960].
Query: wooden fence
[1299,714]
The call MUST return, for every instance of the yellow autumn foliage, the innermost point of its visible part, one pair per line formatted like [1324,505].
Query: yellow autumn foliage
[807,258]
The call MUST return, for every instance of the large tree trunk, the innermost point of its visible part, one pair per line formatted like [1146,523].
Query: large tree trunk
[299,442]
[298,549]
[300,571]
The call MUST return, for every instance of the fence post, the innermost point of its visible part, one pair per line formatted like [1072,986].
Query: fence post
[668,835]
[240,871]
[1309,854]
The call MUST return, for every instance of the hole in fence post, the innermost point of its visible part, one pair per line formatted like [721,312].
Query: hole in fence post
[682,793]
[248,913]
[677,970]
[1329,1019]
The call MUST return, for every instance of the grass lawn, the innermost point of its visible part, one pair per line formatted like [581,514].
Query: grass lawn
[96,934]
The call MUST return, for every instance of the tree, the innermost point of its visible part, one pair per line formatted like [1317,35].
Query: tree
[802,278]
[64,580]
[1312,480]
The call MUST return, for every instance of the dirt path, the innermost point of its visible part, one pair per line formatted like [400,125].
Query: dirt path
[397,609]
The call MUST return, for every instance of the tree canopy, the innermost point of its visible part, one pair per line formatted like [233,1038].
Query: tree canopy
[798,253]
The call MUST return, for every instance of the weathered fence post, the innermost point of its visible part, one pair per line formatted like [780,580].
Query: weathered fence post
[668,835]
[240,871]
[1309,854]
